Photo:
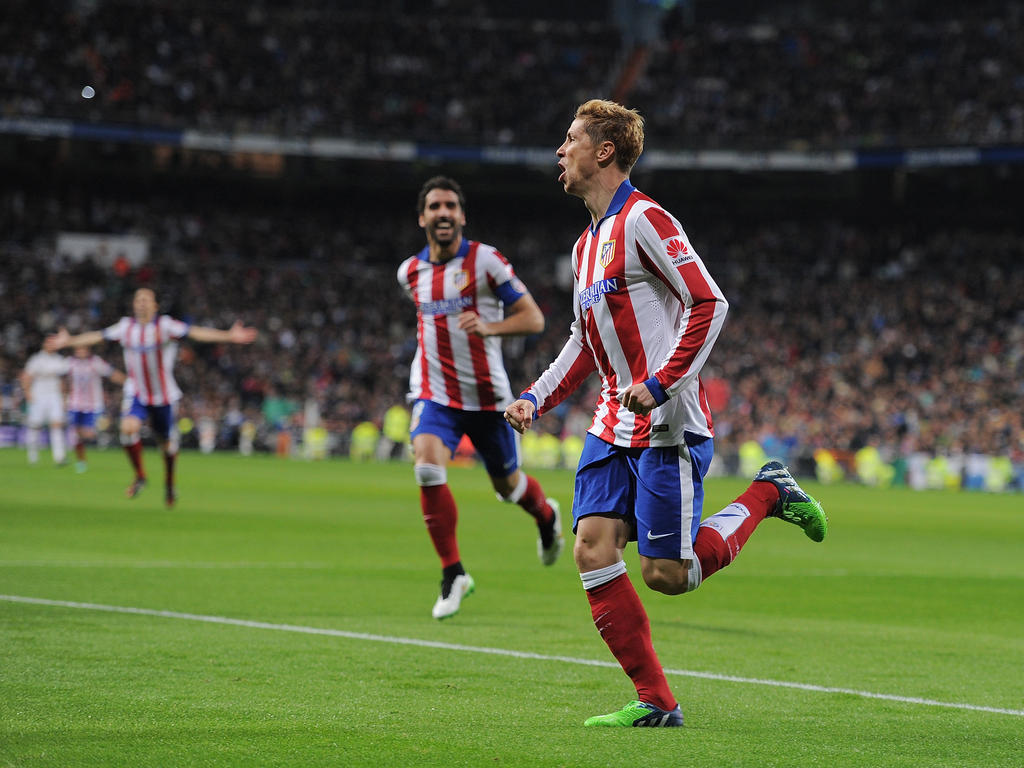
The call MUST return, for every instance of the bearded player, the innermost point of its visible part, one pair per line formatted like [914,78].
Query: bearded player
[467,297]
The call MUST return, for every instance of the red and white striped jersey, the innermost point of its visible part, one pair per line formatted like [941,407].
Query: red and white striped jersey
[646,311]
[453,367]
[86,376]
[149,353]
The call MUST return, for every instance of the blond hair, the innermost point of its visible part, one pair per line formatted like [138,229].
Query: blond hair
[605,120]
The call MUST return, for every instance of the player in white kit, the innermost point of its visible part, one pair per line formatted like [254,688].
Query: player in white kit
[150,344]
[42,383]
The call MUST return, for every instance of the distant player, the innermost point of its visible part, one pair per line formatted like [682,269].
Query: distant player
[42,383]
[467,297]
[85,400]
[150,344]
[647,313]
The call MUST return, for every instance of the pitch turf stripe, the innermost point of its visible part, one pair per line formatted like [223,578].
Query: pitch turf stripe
[497,652]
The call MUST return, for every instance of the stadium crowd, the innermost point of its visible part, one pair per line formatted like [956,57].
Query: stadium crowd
[909,340]
[856,74]
[892,336]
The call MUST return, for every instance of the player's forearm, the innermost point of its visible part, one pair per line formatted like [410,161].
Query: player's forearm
[565,374]
[519,324]
[692,346]
[86,339]
[236,334]
[209,335]
[523,319]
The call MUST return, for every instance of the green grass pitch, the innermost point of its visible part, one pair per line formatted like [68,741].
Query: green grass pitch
[286,621]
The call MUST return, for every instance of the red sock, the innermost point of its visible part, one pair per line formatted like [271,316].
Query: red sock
[534,502]
[440,514]
[134,452]
[622,621]
[719,538]
[80,451]
[169,468]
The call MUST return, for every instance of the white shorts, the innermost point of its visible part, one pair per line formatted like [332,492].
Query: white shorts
[45,410]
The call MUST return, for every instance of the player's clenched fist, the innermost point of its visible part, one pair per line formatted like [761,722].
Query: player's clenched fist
[470,322]
[520,415]
[638,399]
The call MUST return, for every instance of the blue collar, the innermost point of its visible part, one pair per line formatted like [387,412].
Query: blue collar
[615,206]
[424,255]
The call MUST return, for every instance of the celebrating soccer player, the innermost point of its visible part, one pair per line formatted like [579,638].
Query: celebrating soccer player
[150,344]
[647,313]
[467,297]
[85,400]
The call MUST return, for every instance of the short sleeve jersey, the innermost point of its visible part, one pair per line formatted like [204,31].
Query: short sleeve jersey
[86,375]
[452,367]
[150,350]
[46,368]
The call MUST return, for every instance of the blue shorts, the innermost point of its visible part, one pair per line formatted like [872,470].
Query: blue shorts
[658,491]
[82,419]
[161,418]
[492,437]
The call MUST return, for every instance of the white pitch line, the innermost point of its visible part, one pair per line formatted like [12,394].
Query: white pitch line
[498,652]
[169,564]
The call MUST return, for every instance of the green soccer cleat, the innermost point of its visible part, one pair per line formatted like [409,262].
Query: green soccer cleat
[795,505]
[639,714]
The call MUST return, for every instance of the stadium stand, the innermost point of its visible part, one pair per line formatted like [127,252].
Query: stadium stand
[842,366]
[716,75]
[902,333]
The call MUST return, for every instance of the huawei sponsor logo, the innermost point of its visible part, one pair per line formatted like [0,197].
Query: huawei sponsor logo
[678,252]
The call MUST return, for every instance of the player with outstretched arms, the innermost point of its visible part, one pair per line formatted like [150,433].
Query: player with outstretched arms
[150,345]
[646,316]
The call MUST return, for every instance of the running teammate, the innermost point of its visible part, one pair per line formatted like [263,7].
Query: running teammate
[41,381]
[150,344]
[467,297]
[647,313]
[85,400]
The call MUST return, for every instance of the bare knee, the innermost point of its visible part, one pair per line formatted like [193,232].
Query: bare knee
[505,486]
[667,586]
[669,577]
[590,555]
[599,543]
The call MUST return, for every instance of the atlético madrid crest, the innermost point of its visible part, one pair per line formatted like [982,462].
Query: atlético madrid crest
[460,279]
[607,253]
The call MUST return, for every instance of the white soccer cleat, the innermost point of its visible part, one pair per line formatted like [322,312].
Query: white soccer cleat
[448,605]
[549,555]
